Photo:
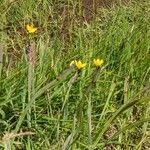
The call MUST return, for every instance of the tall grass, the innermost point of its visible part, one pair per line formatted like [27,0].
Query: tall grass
[46,104]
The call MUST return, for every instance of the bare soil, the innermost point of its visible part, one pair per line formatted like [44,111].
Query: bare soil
[88,9]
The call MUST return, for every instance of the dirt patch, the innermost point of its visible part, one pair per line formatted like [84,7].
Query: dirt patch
[88,8]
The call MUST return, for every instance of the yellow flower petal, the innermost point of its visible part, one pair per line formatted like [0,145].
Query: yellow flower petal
[78,64]
[98,62]
[72,63]
[30,28]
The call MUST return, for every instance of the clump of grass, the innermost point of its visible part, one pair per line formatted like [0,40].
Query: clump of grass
[74,107]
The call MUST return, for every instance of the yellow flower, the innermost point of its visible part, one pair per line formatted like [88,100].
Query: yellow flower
[30,28]
[78,64]
[98,62]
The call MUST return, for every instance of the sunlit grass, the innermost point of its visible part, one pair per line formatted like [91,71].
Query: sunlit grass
[54,96]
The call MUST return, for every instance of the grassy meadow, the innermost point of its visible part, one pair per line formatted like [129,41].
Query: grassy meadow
[49,100]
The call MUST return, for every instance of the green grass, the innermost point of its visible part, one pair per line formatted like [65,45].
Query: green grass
[46,104]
